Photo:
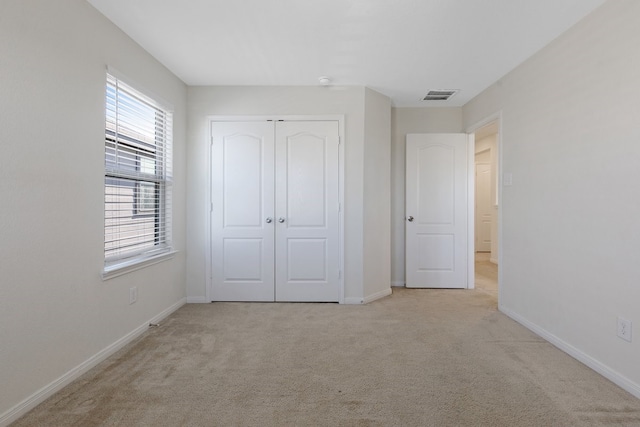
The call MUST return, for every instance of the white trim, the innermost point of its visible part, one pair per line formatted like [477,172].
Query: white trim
[377,295]
[497,116]
[577,354]
[197,300]
[471,211]
[166,105]
[134,264]
[341,181]
[208,280]
[50,389]
[368,299]
[275,118]
[118,254]
[398,283]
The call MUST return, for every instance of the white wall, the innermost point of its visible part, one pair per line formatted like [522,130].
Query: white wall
[275,100]
[570,221]
[377,196]
[55,311]
[404,121]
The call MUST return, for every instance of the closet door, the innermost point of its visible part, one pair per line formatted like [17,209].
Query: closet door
[306,214]
[242,224]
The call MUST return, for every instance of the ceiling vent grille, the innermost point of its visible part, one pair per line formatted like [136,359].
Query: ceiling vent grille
[440,95]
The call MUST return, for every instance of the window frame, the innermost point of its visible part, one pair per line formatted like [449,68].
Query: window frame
[133,162]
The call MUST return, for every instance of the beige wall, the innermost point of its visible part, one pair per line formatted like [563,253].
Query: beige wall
[404,121]
[377,196]
[55,311]
[570,228]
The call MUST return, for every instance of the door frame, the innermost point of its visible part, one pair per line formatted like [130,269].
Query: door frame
[495,117]
[471,211]
[209,199]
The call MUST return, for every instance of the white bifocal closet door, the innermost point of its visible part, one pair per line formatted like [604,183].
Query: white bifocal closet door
[275,232]
[242,225]
[307,229]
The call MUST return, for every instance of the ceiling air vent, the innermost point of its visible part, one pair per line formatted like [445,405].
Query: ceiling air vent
[440,95]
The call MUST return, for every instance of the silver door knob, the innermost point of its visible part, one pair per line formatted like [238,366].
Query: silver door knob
[269,220]
[410,219]
[281,220]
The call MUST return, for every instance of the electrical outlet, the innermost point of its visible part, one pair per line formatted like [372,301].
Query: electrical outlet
[133,294]
[624,329]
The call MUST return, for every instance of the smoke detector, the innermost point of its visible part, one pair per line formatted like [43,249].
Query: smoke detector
[324,80]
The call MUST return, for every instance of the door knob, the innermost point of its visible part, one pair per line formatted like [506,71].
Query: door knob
[281,220]
[410,219]
[269,219]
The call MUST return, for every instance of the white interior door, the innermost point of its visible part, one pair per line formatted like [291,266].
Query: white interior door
[436,210]
[242,226]
[484,207]
[307,215]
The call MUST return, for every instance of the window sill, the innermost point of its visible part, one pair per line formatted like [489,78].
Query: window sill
[118,269]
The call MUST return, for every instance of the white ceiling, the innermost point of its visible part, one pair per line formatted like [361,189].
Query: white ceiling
[401,48]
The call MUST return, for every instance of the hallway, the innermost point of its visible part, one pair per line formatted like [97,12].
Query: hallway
[486,274]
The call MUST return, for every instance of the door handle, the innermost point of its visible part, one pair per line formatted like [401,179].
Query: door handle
[281,220]
[410,219]
[268,220]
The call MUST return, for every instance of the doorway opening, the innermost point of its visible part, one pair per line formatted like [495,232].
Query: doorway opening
[486,221]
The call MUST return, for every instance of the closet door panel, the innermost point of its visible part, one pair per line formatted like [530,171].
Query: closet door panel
[242,186]
[307,232]
[306,181]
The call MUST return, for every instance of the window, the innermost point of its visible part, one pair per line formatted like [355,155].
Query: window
[137,186]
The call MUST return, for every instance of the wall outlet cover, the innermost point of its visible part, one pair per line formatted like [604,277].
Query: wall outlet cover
[133,294]
[624,329]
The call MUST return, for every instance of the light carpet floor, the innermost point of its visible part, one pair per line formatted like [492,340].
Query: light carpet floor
[416,358]
[486,274]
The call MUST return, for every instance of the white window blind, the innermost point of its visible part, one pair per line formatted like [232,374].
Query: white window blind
[137,198]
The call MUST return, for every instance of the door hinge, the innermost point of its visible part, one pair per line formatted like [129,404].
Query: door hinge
[211,207]
[339,207]
[339,274]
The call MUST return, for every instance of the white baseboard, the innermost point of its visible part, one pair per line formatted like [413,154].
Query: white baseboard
[377,295]
[50,389]
[369,298]
[577,354]
[197,300]
[398,283]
